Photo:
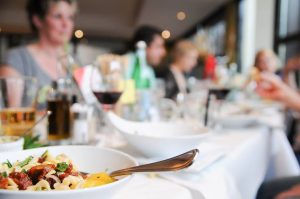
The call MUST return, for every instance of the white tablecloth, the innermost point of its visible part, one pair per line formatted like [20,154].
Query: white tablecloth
[250,155]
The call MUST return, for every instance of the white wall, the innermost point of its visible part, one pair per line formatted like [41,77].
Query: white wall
[265,19]
[87,54]
[248,34]
[257,30]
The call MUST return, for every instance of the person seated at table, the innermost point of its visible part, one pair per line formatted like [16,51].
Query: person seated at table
[272,87]
[53,22]
[155,50]
[267,61]
[184,59]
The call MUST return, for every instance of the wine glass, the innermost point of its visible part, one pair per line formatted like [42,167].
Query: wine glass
[107,84]
[215,98]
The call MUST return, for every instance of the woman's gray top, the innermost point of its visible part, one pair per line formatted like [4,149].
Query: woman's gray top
[21,60]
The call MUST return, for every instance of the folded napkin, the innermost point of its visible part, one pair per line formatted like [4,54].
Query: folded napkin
[209,153]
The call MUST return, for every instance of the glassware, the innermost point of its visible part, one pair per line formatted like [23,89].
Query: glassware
[167,110]
[194,106]
[107,83]
[139,74]
[17,104]
[215,99]
[58,102]
[160,88]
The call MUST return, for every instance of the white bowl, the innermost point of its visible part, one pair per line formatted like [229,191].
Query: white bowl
[15,145]
[89,159]
[159,139]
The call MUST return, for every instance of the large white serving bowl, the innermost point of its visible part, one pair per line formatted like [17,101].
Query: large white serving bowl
[89,159]
[160,139]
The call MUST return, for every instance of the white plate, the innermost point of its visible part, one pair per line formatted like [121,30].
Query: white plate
[87,159]
[145,187]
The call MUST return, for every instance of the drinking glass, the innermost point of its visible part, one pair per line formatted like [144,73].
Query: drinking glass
[17,104]
[108,83]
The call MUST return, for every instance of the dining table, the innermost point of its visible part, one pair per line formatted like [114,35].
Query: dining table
[232,164]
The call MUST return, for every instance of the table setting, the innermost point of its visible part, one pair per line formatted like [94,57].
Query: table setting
[241,140]
[226,154]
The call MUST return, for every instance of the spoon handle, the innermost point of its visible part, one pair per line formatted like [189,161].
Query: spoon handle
[27,131]
[172,164]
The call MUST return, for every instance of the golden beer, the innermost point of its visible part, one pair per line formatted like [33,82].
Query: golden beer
[15,121]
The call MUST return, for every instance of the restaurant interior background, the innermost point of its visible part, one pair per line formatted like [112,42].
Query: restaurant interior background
[246,137]
[236,29]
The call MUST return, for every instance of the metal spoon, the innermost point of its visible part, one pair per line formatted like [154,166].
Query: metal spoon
[172,164]
[37,122]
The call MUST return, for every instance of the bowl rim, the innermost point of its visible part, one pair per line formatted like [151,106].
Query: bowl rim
[64,192]
[176,137]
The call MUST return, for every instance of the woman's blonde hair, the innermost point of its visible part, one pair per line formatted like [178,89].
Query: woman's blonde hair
[181,48]
[269,52]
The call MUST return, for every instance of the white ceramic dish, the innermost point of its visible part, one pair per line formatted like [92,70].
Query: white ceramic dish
[159,139]
[16,143]
[87,159]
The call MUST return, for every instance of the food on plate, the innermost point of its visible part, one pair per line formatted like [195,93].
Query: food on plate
[45,173]
[97,179]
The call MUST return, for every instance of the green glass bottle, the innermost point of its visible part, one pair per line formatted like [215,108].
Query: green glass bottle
[138,75]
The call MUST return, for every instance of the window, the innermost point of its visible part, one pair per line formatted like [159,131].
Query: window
[287,29]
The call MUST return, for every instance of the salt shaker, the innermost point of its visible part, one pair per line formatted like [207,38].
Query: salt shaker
[80,128]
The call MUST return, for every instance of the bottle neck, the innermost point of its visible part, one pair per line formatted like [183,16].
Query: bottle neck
[141,55]
[139,74]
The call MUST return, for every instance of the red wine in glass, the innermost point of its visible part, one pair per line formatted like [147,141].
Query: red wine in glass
[109,98]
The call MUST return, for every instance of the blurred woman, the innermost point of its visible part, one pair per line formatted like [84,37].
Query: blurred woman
[267,61]
[53,22]
[271,87]
[184,59]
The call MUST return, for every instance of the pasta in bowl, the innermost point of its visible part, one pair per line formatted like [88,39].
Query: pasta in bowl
[55,172]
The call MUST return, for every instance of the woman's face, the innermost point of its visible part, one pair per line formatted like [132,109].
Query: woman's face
[156,51]
[188,61]
[266,62]
[58,24]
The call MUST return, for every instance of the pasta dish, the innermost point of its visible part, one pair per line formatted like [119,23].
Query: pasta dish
[47,172]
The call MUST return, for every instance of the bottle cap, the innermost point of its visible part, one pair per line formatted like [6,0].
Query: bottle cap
[141,44]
